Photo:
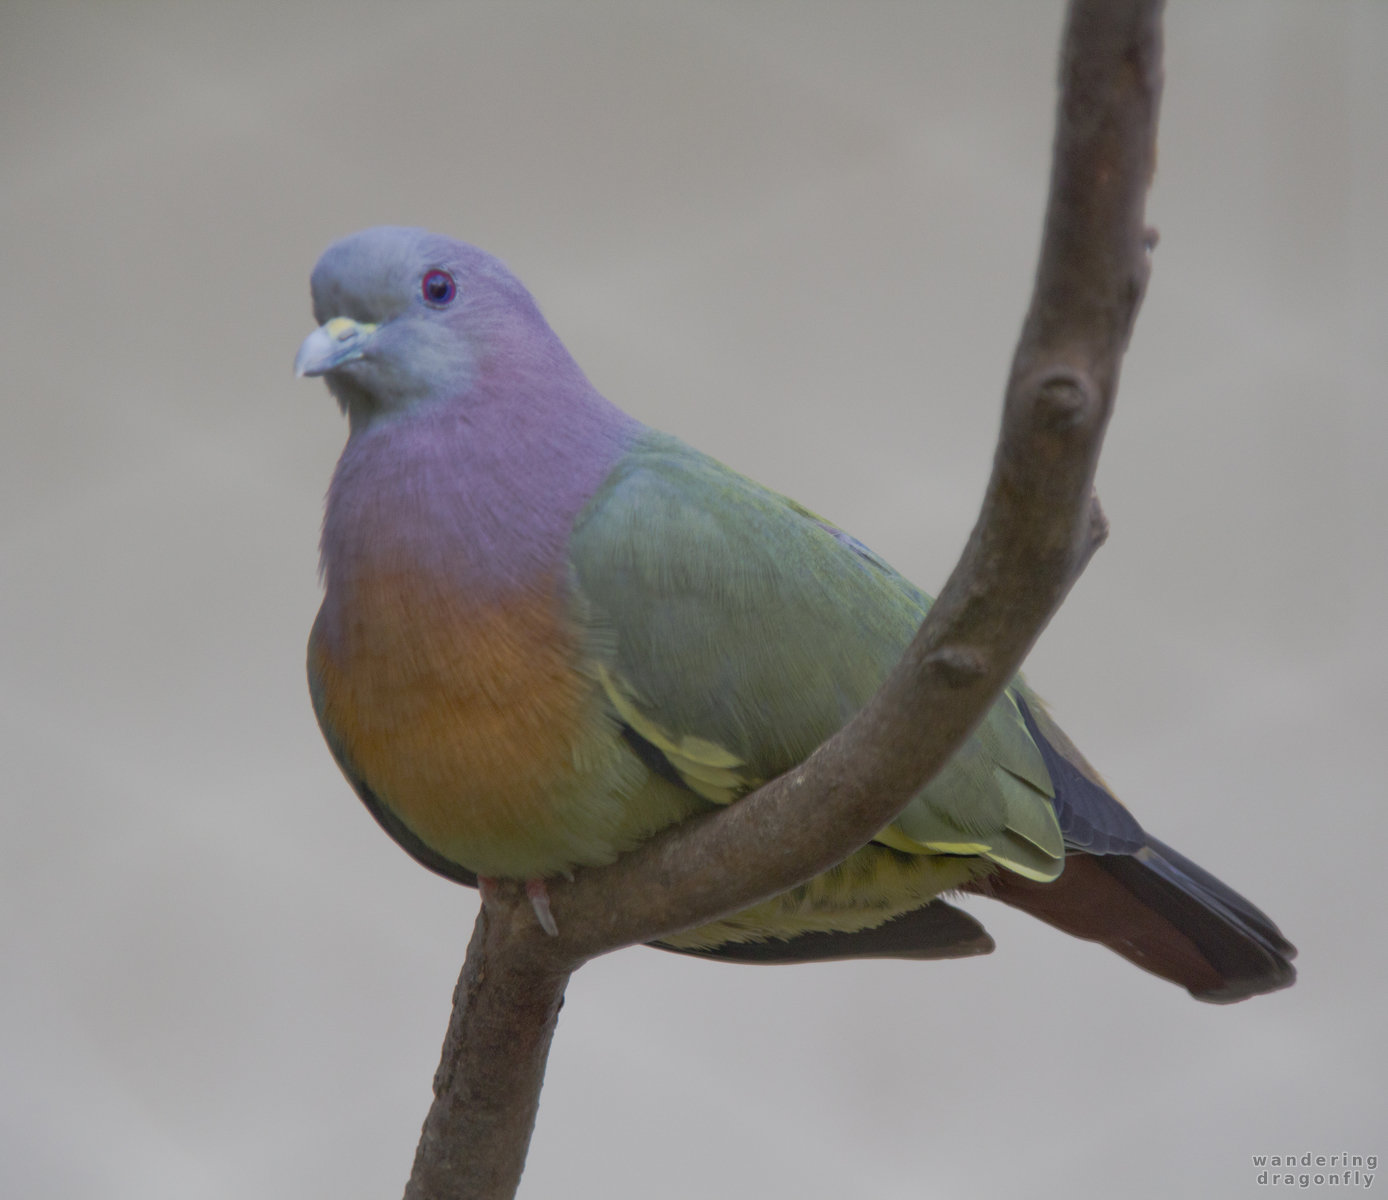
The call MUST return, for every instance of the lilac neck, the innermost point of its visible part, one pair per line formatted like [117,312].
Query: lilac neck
[478,493]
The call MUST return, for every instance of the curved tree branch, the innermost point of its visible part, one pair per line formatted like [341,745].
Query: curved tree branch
[1039,524]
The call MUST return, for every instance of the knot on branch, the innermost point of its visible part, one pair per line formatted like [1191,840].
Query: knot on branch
[957,666]
[1063,401]
[1097,525]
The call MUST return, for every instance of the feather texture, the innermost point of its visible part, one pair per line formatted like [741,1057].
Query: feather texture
[548,632]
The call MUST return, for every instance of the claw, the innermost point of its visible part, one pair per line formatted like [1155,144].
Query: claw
[539,901]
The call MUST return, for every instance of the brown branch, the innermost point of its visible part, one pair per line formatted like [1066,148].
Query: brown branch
[1037,529]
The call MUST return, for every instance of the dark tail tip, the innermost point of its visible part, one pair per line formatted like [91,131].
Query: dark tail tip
[1165,914]
[1246,950]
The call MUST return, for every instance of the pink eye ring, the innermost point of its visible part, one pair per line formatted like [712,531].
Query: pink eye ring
[438,287]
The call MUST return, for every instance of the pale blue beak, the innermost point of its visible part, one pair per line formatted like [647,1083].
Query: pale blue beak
[330,345]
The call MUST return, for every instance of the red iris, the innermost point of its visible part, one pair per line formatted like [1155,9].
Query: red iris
[438,287]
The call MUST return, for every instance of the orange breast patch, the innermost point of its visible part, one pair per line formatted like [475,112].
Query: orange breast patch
[463,718]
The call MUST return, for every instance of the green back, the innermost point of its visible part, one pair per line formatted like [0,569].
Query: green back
[735,631]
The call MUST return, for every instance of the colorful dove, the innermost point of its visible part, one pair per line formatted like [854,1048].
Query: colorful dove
[549,631]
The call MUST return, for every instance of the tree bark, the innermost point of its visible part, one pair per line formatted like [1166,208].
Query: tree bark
[1039,525]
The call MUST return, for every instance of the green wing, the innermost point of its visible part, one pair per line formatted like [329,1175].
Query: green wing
[739,631]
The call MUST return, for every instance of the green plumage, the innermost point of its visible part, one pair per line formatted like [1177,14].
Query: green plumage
[549,632]
[743,631]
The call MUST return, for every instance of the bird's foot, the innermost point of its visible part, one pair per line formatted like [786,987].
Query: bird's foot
[539,900]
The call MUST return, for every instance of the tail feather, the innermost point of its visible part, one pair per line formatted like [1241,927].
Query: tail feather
[1239,940]
[1163,913]
[1238,911]
[1138,896]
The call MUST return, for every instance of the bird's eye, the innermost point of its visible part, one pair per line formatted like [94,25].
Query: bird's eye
[438,287]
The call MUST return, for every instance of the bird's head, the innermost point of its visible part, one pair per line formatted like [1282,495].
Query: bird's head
[409,318]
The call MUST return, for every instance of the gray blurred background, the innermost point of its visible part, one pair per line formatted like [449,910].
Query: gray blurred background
[801,236]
